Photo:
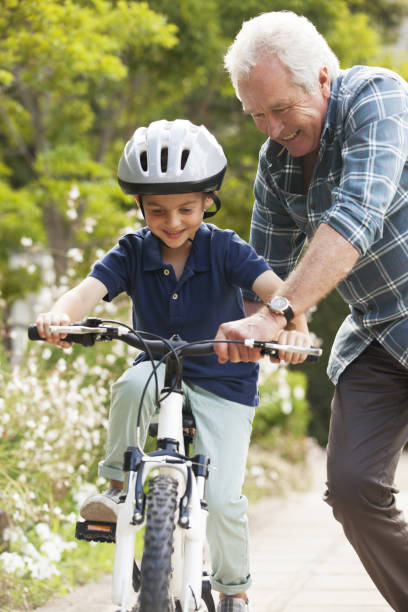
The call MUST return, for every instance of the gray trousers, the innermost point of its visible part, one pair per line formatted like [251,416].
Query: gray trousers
[368,430]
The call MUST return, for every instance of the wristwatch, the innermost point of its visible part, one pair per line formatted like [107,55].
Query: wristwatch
[281,305]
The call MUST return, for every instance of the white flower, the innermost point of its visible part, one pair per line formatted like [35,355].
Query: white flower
[75,255]
[51,550]
[10,535]
[72,214]
[19,504]
[71,518]
[256,470]
[26,242]
[284,391]
[74,192]
[12,563]
[43,530]
[46,354]
[61,365]
[298,392]
[89,225]
[40,567]
[286,407]
[83,492]
[32,367]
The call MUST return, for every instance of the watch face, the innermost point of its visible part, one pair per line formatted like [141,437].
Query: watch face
[279,303]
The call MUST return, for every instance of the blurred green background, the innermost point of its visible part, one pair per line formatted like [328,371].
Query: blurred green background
[76,78]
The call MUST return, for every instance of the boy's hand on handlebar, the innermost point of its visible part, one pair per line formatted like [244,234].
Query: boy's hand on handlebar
[44,320]
[259,326]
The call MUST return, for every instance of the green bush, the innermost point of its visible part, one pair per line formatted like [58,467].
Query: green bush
[277,461]
[283,406]
[53,416]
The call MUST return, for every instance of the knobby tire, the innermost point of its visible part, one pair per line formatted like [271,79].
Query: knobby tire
[158,545]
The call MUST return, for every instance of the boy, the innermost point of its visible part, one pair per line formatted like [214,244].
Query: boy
[184,277]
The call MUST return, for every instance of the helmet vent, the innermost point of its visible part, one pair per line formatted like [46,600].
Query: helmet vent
[143,160]
[164,159]
[184,158]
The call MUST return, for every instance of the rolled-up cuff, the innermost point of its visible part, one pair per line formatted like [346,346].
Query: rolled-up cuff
[110,472]
[231,589]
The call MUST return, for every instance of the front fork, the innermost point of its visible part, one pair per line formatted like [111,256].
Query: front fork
[192,519]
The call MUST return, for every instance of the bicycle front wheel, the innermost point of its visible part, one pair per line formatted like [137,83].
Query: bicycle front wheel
[158,545]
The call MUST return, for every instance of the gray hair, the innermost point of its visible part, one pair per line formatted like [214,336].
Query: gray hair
[292,38]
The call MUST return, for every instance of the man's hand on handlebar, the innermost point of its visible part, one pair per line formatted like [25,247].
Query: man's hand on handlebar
[259,326]
[44,320]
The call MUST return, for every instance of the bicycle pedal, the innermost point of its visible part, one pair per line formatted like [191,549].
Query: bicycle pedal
[95,531]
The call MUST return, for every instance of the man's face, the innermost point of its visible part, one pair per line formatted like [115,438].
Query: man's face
[285,112]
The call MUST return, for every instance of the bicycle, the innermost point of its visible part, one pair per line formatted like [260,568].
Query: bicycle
[173,511]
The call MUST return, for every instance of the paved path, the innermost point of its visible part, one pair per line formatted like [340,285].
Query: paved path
[301,561]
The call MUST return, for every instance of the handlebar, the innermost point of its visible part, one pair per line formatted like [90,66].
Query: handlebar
[92,330]
[86,333]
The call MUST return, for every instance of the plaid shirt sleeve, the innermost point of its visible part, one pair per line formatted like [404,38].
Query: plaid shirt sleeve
[374,148]
[274,234]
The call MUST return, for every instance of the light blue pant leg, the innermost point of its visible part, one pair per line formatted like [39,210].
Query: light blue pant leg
[126,394]
[223,433]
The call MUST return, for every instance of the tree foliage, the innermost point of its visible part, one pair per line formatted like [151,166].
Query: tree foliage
[78,76]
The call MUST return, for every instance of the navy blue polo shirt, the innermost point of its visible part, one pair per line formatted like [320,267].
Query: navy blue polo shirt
[207,294]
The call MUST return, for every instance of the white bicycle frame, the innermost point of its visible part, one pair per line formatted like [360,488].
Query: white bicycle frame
[187,560]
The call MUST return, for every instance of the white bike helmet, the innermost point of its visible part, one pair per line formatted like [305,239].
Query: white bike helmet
[172,157]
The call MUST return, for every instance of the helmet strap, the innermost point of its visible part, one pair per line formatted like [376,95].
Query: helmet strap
[217,203]
[139,197]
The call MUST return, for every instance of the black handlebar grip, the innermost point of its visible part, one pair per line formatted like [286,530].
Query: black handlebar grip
[84,339]
[33,333]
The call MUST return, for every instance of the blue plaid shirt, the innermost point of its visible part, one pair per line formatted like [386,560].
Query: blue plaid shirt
[360,188]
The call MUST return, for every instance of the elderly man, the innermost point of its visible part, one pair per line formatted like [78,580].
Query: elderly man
[334,171]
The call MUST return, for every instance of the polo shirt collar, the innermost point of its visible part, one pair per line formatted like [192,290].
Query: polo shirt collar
[152,258]
[199,258]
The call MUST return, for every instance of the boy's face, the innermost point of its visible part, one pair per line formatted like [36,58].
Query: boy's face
[175,218]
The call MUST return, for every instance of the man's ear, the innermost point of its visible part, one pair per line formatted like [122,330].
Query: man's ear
[324,82]
[137,199]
